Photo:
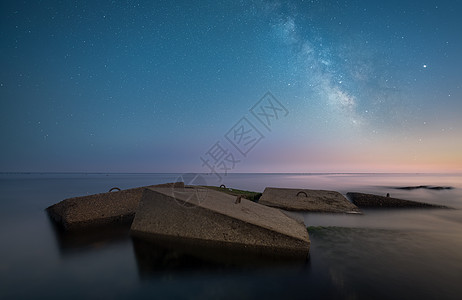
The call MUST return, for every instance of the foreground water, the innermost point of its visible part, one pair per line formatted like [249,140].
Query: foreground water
[381,254]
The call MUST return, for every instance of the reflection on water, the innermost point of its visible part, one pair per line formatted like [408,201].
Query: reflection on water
[378,263]
[387,254]
[77,241]
[156,258]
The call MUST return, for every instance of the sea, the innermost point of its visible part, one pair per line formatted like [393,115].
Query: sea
[380,254]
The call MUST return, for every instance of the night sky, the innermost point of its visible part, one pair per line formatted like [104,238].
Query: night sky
[181,86]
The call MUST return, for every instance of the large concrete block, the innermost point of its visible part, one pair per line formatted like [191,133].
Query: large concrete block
[211,218]
[99,209]
[307,200]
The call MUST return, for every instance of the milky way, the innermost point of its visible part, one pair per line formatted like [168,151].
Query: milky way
[149,86]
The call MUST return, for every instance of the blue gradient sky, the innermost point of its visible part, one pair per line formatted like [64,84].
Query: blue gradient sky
[151,86]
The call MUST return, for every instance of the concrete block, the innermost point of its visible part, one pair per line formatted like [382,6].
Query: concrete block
[307,200]
[205,217]
[99,209]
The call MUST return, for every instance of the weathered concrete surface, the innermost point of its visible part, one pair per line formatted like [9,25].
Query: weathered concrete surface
[214,219]
[99,209]
[307,200]
[372,201]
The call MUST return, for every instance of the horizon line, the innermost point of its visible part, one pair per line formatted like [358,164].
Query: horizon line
[229,173]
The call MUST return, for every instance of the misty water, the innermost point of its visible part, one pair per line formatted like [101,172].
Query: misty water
[393,253]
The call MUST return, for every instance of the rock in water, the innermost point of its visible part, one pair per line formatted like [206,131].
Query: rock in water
[374,201]
[207,217]
[99,209]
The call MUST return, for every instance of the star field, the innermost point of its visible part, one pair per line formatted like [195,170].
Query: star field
[149,86]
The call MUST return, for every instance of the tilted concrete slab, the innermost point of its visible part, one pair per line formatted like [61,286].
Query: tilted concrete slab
[211,218]
[307,200]
[376,201]
[99,209]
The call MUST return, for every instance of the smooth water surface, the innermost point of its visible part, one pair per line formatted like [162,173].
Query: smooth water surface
[404,253]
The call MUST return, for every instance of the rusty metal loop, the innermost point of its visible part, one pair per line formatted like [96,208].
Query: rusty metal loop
[302,192]
[114,189]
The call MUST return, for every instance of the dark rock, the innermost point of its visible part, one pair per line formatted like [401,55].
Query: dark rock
[438,188]
[375,201]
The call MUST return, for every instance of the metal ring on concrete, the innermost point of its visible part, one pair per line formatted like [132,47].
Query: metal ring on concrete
[302,192]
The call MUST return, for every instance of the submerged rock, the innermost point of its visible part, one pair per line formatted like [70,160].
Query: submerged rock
[211,218]
[427,187]
[307,200]
[369,200]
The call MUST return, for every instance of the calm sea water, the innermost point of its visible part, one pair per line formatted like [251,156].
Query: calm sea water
[382,254]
